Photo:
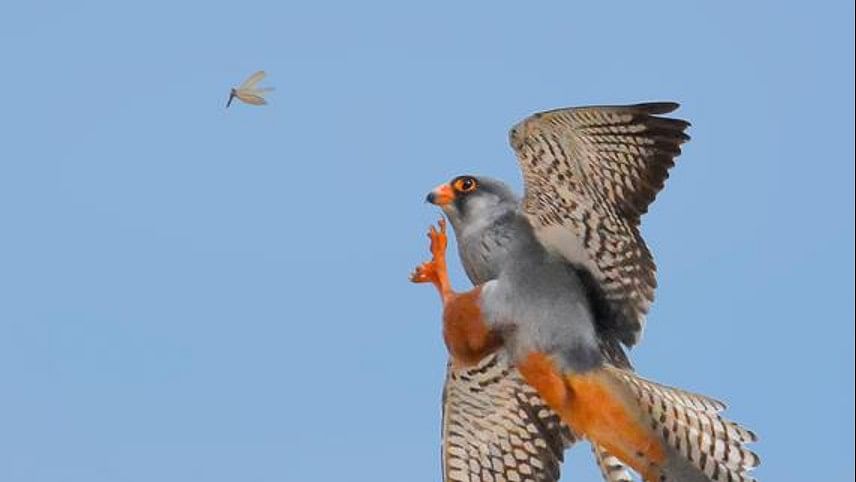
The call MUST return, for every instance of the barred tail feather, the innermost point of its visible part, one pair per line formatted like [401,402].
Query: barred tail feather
[663,433]
[698,438]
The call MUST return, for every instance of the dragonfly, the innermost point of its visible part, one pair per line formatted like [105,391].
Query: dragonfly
[248,92]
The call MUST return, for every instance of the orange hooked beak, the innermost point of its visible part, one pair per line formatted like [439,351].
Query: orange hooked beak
[441,195]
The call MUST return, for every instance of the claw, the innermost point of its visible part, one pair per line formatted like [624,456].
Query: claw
[424,273]
[434,271]
[438,239]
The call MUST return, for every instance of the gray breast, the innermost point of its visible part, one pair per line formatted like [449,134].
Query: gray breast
[541,305]
[484,247]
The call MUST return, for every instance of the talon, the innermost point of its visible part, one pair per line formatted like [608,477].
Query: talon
[424,273]
[434,271]
[438,239]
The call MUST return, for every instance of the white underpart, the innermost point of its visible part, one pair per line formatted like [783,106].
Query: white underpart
[561,241]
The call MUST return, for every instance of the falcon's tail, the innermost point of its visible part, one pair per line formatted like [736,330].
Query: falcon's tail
[700,444]
[663,433]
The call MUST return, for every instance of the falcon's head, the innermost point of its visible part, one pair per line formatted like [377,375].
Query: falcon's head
[467,199]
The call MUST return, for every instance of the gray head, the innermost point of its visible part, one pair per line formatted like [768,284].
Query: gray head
[471,199]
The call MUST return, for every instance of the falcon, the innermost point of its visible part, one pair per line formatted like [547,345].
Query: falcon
[564,279]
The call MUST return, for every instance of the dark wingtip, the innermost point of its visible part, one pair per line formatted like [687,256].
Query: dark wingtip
[658,107]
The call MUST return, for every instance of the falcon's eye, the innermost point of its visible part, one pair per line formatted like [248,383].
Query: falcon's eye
[465,184]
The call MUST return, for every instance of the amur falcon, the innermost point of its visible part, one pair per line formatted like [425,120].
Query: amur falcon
[563,281]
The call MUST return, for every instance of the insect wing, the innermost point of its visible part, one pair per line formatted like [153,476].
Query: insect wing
[253,80]
[250,97]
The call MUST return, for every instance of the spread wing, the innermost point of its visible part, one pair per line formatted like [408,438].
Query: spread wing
[610,467]
[253,80]
[250,98]
[495,427]
[590,173]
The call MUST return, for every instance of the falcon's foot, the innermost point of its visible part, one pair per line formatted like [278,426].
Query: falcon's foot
[425,273]
[434,271]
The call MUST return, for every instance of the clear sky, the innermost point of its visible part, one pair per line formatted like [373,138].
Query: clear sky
[194,294]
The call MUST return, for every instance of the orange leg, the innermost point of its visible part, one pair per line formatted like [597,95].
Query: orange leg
[596,406]
[467,337]
[434,271]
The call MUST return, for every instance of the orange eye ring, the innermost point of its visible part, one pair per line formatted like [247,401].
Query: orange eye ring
[465,184]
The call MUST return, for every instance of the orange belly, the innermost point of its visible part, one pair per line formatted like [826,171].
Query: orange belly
[596,406]
[467,336]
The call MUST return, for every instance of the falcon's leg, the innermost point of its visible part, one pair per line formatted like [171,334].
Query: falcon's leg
[467,336]
[434,271]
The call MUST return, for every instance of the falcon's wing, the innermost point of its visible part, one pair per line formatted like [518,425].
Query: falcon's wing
[495,427]
[590,173]
[610,467]
[253,80]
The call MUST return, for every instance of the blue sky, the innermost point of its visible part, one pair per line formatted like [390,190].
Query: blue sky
[189,293]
